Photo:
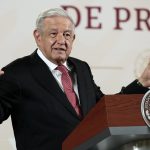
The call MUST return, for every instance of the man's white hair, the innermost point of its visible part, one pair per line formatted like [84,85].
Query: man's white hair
[50,13]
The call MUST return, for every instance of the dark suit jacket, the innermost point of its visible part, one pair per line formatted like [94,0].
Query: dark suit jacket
[41,115]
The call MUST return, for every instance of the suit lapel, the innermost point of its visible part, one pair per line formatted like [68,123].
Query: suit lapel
[81,85]
[43,75]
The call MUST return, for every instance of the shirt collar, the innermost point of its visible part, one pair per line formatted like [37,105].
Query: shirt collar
[50,65]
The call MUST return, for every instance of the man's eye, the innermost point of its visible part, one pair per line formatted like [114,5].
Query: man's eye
[53,34]
[67,35]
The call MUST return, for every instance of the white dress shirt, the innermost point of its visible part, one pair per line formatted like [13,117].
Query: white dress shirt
[57,74]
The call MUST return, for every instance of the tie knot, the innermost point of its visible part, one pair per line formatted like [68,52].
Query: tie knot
[62,69]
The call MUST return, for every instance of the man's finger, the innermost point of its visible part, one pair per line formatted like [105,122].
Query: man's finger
[1,72]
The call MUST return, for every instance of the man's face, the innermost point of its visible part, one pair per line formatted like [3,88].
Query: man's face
[56,38]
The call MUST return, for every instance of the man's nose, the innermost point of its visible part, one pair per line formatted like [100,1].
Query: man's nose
[60,39]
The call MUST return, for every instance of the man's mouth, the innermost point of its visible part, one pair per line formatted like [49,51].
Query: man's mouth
[59,49]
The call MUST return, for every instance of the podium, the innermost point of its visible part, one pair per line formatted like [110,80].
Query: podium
[114,121]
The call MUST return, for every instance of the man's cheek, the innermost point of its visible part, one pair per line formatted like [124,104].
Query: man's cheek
[52,42]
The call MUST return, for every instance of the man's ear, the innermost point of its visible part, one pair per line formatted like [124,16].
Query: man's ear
[37,36]
[74,36]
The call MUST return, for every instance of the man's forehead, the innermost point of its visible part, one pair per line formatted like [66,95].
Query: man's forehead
[58,18]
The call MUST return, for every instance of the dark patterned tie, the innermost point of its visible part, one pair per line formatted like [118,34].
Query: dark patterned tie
[68,88]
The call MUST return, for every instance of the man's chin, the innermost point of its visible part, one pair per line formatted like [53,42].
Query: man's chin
[60,60]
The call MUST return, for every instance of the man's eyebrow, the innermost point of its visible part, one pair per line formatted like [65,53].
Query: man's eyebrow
[52,29]
[68,30]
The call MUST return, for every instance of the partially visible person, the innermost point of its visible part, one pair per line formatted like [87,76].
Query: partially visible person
[144,79]
[33,88]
